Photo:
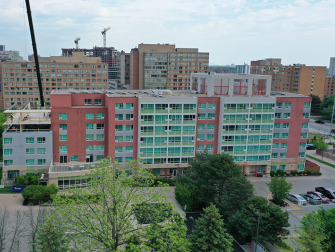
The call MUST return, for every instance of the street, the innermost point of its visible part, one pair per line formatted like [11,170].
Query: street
[320,128]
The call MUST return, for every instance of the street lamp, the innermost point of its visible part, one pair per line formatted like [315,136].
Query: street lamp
[259,216]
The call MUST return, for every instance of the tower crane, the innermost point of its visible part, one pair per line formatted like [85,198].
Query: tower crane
[104,34]
[76,42]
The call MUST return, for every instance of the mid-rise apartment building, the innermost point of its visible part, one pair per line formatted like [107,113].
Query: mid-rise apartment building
[163,66]
[243,69]
[332,66]
[329,86]
[296,78]
[123,75]
[19,80]
[229,113]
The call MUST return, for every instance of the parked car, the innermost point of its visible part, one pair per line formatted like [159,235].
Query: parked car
[320,121]
[329,193]
[311,199]
[320,196]
[332,131]
[295,198]
[310,147]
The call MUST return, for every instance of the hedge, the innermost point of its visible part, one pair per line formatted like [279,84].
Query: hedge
[39,192]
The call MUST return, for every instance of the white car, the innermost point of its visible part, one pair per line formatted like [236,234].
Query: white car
[295,198]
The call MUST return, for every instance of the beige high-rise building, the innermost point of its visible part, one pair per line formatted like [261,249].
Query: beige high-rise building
[19,81]
[163,66]
[295,78]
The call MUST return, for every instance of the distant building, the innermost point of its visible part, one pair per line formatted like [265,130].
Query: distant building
[329,86]
[295,78]
[2,48]
[9,56]
[243,69]
[332,66]
[123,73]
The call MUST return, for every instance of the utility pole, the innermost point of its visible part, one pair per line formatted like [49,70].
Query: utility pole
[331,120]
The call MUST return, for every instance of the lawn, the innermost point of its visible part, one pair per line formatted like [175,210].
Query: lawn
[7,189]
[319,160]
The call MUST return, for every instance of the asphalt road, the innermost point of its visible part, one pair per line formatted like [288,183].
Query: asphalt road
[320,128]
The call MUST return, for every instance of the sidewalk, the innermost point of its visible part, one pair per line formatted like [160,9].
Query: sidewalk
[313,154]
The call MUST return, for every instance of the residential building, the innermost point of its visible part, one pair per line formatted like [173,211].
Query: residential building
[229,113]
[243,69]
[329,86]
[163,66]
[332,66]
[19,81]
[296,78]
[108,55]
[9,56]
[123,77]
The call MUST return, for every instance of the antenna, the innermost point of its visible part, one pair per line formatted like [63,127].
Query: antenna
[104,35]
[76,42]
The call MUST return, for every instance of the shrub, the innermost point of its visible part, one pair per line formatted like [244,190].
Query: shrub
[280,173]
[308,172]
[37,191]
[22,180]
[185,196]
[273,173]
[294,172]
[170,182]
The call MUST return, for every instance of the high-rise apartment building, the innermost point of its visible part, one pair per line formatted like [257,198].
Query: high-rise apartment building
[243,69]
[230,113]
[19,81]
[332,66]
[163,66]
[108,55]
[123,77]
[296,78]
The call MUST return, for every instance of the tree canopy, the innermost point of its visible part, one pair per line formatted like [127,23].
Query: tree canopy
[279,188]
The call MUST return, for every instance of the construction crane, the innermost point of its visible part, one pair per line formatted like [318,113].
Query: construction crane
[104,34]
[76,42]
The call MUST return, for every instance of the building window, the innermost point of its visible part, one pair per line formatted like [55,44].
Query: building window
[283,145]
[287,115]
[100,147]
[303,135]
[29,140]
[100,126]
[40,151]
[88,101]
[97,101]
[279,105]
[305,125]
[63,116]
[201,116]
[275,146]
[301,154]
[211,105]
[200,147]
[210,137]
[100,157]
[118,117]
[273,167]
[89,148]
[302,145]
[118,149]
[305,115]
[74,158]
[284,135]
[129,149]
[62,137]
[283,155]
[129,105]
[63,126]
[277,125]
[129,138]
[210,126]
[118,159]
[128,159]
[118,138]
[100,137]
[41,140]
[129,127]
[307,105]
[118,127]
[100,115]
[8,152]
[278,115]
[8,162]
[209,147]
[276,136]
[41,161]
[274,155]
[301,167]
[89,126]
[63,148]
[129,117]
[286,125]
[201,126]
[89,115]
[211,116]
[119,105]
[202,105]
[201,137]
[288,105]
[7,140]
[30,161]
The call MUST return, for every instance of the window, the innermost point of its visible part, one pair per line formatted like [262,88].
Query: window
[100,137]
[287,115]
[129,105]
[118,117]
[119,105]
[63,126]
[286,125]
[100,115]
[63,116]
[97,101]
[303,135]
[63,148]
[284,135]
[279,105]
[201,126]
[201,116]
[7,140]
[99,157]
[288,104]
[41,140]
[29,140]
[100,126]
[283,155]
[74,158]
[89,126]
[89,115]
[209,147]
[8,162]
[8,151]
[305,115]
[211,105]
[302,145]
[307,105]
[128,159]
[200,147]
[118,159]
[129,138]
[301,154]
[90,137]
[202,105]
[89,147]
[211,116]
[40,151]
[201,137]
[129,127]
[273,167]
[274,155]
[100,147]
[129,149]
[283,145]
[88,101]
[118,149]
[210,137]
[118,127]
[301,167]
[210,126]
[62,137]
[276,136]
[278,115]
[277,125]
[30,161]
[305,125]
[129,117]
[118,138]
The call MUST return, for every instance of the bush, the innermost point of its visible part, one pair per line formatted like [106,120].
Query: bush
[22,180]
[37,191]
[28,179]
[37,201]
[280,173]
[308,172]
[294,172]
[185,196]
[170,182]
[273,173]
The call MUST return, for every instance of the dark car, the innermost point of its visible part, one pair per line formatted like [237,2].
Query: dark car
[320,121]
[310,147]
[320,196]
[311,199]
[329,193]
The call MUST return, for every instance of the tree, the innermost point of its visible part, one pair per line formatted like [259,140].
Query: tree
[218,180]
[327,220]
[107,215]
[279,188]
[210,234]
[316,105]
[273,221]
[310,235]
[320,145]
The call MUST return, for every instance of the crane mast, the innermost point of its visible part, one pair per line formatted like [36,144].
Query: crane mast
[104,35]
[76,41]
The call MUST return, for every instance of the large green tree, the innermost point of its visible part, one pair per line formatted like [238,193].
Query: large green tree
[279,188]
[316,105]
[320,145]
[217,180]
[210,234]
[111,211]
[327,220]
[273,221]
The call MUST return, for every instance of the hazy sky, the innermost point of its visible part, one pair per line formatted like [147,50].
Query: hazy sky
[232,31]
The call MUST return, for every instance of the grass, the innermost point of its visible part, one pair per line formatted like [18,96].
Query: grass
[7,189]
[283,246]
[319,160]
[316,117]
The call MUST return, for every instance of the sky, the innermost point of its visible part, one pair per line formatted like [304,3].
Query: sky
[232,31]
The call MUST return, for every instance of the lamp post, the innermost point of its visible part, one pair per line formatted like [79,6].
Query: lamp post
[259,216]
